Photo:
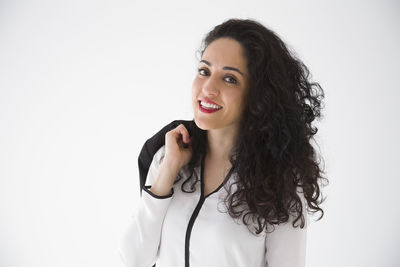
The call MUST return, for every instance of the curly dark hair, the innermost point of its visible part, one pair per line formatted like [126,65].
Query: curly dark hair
[272,156]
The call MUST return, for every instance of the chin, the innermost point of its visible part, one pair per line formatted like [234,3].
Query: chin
[201,125]
[204,125]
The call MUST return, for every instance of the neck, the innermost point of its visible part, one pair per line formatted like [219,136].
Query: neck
[220,142]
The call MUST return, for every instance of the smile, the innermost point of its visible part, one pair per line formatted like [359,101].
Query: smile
[208,108]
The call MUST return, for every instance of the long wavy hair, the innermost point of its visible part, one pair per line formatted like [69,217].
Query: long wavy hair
[272,156]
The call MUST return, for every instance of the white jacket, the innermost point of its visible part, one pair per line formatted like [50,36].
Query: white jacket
[190,229]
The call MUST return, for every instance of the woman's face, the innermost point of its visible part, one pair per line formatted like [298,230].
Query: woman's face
[222,78]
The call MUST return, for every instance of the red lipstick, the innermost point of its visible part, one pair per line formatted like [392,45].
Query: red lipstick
[209,101]
[207,110]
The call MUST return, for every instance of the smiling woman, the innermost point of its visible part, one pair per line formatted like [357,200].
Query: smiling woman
[217,83]
[229,187]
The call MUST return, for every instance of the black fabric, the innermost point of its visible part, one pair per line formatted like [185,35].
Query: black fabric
[152,145]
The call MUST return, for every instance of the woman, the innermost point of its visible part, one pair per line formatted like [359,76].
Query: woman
[248,147]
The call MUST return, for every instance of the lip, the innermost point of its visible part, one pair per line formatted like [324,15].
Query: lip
[207,110]
[209,101]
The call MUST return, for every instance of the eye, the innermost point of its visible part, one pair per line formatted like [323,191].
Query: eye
[233,80]
[200,69]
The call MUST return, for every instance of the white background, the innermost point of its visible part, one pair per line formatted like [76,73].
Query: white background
[84,83]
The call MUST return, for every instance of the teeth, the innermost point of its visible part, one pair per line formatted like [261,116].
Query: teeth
[210,106]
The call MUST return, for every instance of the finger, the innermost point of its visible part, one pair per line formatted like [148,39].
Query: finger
[184,132]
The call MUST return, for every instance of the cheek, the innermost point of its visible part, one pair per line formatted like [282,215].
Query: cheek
[195,91]
[196,85]
[236,103]
[235,99]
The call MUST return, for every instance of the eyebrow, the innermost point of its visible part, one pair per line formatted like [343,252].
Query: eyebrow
[224,68]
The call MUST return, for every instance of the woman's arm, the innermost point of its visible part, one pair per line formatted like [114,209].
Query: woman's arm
[139,243]
[286,245]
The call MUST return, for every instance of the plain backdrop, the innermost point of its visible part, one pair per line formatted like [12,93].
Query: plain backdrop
[84,83]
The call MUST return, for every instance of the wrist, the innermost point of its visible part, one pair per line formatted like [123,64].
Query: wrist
[172,164]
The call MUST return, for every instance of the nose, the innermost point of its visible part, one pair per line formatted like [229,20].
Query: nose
[210,86]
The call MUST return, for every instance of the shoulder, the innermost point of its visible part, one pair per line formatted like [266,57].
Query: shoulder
[303,200]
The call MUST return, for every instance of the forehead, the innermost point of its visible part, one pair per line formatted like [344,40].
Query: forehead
[225,52]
